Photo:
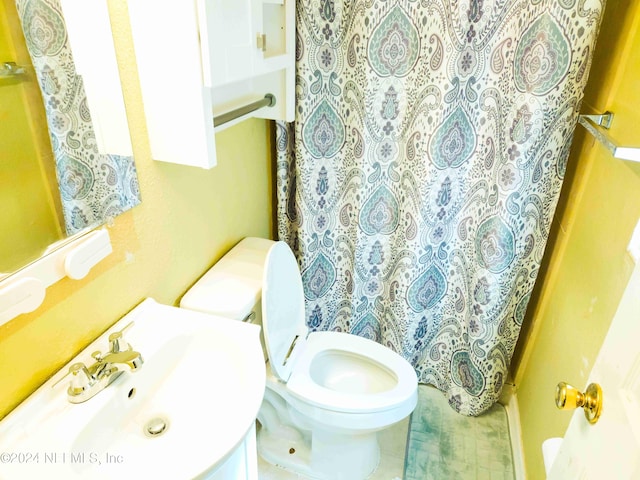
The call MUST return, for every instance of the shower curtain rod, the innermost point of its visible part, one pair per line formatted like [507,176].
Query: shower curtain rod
[269,100]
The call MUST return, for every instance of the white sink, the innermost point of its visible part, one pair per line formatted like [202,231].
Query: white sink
[203,380]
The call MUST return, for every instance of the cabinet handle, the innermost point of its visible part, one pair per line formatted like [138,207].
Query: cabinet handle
[261,41]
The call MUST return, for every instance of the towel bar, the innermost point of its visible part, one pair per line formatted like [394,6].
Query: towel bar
[269,100]
[10,70]
[591,124]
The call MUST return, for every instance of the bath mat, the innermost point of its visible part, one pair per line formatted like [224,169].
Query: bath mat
[443,444]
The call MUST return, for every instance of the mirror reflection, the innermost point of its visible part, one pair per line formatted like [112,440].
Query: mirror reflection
[66,161]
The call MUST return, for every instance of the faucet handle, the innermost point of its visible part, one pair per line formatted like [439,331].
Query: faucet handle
[97,356]
[81,380]
[117,343]
[80,375]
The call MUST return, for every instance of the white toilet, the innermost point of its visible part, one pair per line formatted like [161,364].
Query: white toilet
[328,393]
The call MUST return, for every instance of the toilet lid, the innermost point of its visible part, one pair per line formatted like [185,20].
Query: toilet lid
[283,318]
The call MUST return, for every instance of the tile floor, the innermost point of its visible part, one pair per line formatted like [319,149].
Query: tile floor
[446,445]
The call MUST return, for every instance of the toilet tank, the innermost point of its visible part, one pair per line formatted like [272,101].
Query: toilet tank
[232,288]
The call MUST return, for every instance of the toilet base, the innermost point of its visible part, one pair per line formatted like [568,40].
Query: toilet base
[333,456]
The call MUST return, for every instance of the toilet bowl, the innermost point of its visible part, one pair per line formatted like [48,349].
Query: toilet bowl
[327,393]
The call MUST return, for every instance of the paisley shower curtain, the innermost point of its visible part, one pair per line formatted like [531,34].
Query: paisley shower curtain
[93,187]
[420,177]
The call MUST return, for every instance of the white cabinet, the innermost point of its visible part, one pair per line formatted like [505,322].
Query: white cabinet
[200,59]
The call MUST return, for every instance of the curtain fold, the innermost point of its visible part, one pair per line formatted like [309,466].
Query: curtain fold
[419,180]
[94,187]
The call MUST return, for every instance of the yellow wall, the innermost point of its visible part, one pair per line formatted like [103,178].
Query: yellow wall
[586,266]
[188,218]
[30,219]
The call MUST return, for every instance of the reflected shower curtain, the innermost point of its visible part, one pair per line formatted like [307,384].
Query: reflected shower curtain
[419,180]
[93,187]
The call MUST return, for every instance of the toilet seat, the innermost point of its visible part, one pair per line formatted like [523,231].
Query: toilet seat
[302,384]
[292,350]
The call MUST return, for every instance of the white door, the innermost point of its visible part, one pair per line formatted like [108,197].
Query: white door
[610,449]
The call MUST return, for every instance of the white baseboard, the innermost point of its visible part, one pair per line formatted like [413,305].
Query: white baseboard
[509,400]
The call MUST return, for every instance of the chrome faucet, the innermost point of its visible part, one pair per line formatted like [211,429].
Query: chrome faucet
[86,382]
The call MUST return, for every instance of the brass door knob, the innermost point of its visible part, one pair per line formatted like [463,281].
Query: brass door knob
[568,398]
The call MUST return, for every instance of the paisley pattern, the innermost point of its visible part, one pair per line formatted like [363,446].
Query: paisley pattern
[367,327]
[394,45]
[419,180]
[464,374]
[43,28]
[542,58]
[318,278]
[379,214]
[427,290]
[324,132]
[495,245]
[94,187]
[454,141]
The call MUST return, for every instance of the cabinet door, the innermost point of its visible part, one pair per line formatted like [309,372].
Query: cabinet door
[228,40]
[272,60]
[177,104]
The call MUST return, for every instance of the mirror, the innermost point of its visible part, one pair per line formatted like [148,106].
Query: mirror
[65,155]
